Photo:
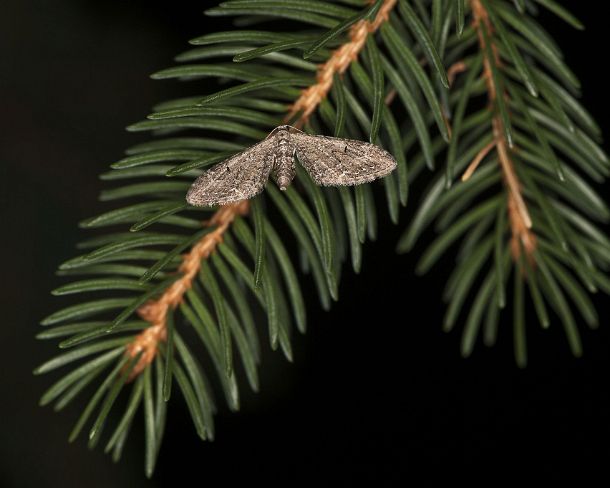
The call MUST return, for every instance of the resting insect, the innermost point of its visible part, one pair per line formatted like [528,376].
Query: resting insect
[330,161]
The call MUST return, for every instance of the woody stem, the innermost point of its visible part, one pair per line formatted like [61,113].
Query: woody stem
[519,217]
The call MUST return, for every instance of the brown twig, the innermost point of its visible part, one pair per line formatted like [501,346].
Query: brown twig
[389,98]
[519,217]
[472,167]
[338,62]
[155,311]
[454,70]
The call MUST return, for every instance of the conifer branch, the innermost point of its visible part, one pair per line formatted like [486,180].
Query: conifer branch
[155,312]
[521,207]
[520,219]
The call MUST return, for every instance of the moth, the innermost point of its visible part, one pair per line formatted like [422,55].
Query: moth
[331,161]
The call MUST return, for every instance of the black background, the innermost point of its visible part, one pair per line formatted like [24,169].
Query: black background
[377,393]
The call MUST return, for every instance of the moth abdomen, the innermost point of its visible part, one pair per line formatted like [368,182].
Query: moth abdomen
[284,170]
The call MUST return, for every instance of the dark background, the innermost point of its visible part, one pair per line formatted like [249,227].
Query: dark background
[377,393]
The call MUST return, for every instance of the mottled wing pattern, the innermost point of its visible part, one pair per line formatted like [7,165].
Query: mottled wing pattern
[237,178]
[334,161]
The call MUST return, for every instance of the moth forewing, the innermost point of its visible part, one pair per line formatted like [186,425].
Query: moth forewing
[333,161]
[240,177]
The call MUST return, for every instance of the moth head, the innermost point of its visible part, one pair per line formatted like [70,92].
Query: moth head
[284,127]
